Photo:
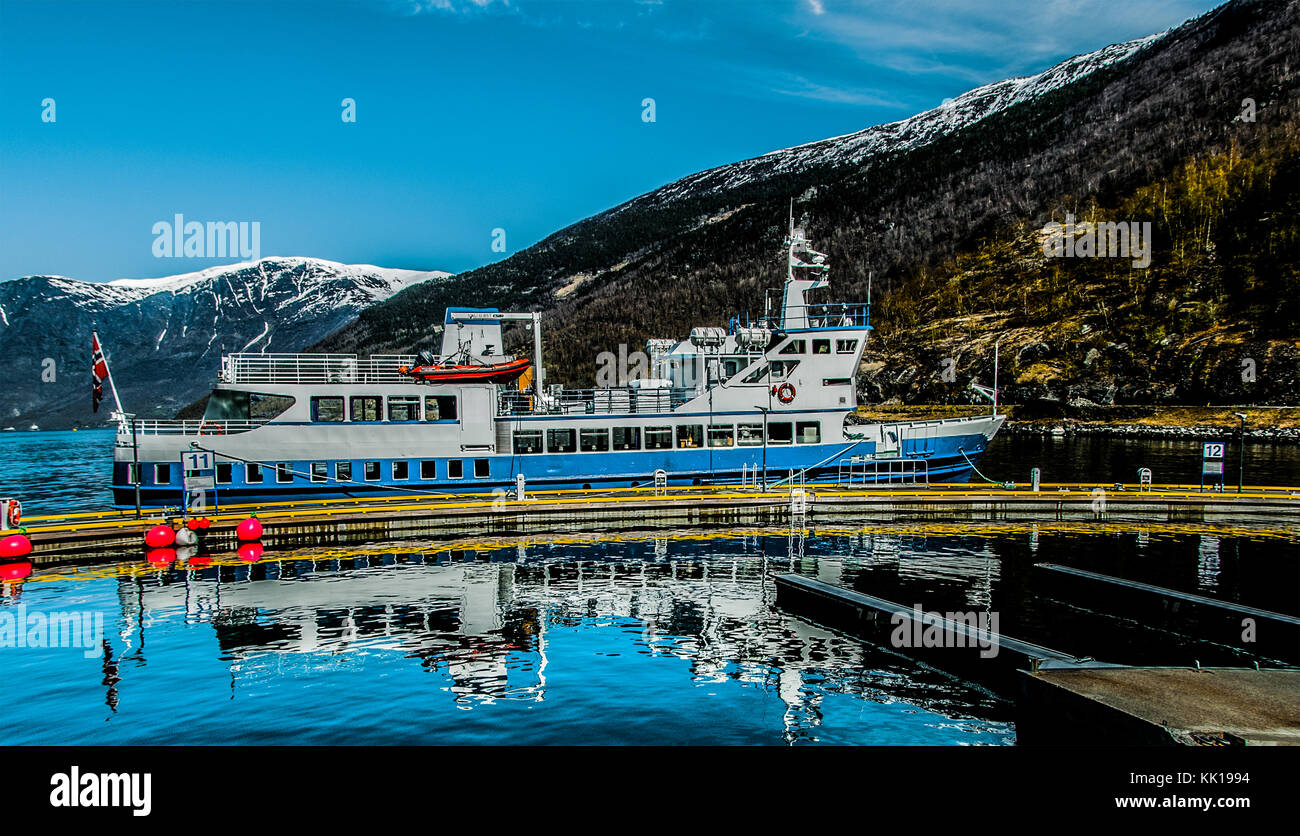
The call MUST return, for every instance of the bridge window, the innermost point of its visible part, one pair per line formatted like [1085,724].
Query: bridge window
[594,441]
[482,468]
[722,436]
[283,473]
[404,408]
[658,438]
[267,406]
[627,438]
[162,474]
[253,474]
[821,346]
[327,409]
[809,432]
[690,435]
[795,347]
[366,408]
[756,375]
[846,346]
[320,471]
[428,469]
[780,432]
[440,407]
[372,471]
[231,405]
[749,435]
[401,470]
[225,473]
[781,369]
[528,442]
[343,471]
[561,441]
[455,469]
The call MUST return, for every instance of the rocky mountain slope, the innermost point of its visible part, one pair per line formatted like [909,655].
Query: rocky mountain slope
[164,337]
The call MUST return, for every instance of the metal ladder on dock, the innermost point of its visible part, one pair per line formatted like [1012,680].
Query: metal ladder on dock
[798,501]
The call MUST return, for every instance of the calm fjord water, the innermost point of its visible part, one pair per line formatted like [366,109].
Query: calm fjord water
[620,639]
[628,639]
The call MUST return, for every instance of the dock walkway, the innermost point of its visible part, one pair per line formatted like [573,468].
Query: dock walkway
[94,534]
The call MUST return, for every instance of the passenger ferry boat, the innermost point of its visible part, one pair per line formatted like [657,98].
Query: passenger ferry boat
[764,400]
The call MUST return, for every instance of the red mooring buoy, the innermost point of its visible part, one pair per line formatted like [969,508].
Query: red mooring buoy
[249,529]
[15,545]
[250,552]
[160,536]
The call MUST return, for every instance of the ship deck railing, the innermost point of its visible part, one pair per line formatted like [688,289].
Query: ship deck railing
[315,368]
[819,315]
[887,470]
[619,401]
[197,426]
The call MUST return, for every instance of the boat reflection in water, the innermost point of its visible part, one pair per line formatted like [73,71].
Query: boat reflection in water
[589,627]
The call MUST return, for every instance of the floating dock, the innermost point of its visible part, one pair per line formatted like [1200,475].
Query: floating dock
[97,535]
[1159,706]
[1064,700]
[993,660]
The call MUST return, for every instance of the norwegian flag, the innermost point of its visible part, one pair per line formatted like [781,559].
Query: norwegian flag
[98,370]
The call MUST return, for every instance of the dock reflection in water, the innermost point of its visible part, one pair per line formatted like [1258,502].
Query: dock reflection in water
[637,639]
[641,641]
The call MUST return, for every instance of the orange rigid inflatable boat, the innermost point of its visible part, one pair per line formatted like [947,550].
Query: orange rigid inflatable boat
[488,373]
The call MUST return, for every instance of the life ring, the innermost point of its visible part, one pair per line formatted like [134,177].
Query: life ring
[15,512]
[785,392]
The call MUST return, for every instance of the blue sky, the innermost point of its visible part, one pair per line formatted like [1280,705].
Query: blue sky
[471,115]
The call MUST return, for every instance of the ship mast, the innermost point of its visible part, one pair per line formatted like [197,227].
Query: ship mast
[794,307]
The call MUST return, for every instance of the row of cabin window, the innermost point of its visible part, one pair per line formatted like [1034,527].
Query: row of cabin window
[371,471]
[819,347]
[600,440]
[329,408]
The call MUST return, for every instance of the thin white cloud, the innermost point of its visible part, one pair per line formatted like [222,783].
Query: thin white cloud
[416,7]
[977,41]
[803,88]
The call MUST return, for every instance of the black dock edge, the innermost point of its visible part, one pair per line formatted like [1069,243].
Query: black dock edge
[993,661]
[1271,634]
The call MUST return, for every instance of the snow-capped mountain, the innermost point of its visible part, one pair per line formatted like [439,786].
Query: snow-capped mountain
[165,336]
[913,132]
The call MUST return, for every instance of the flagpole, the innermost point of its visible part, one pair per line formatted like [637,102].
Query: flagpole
[122,422]
[112,384]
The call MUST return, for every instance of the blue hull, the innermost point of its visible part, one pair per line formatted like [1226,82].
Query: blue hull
[951,459]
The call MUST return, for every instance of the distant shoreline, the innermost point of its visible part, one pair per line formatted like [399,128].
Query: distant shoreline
[1065,429]
[1279,424]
